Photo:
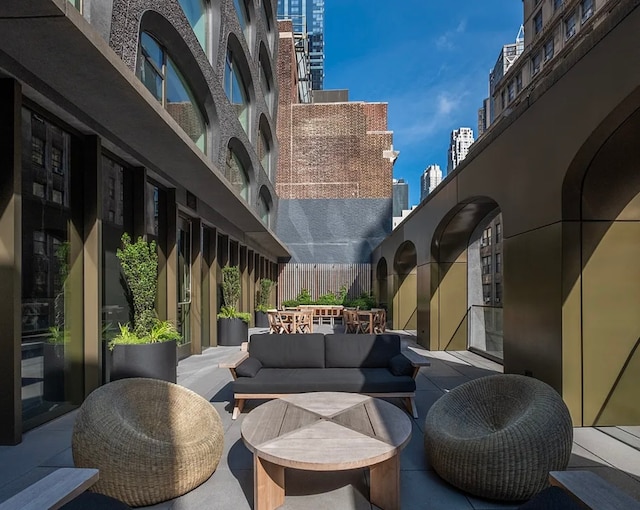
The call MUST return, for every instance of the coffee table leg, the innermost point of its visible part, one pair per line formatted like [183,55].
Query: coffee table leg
[385,484]
[268,484]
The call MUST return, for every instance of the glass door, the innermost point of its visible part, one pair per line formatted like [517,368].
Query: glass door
[184,285]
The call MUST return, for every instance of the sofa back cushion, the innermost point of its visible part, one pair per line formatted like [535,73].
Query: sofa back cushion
[288,351]
[364,351]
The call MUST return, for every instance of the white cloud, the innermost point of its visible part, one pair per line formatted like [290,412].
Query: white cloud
[446,41]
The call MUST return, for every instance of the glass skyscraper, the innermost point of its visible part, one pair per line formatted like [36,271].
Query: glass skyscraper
[308,16]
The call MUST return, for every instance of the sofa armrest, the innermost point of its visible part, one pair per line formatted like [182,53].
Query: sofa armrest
[233,361]
[417,360]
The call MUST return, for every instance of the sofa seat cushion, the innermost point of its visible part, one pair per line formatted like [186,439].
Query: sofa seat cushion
[288,351]
[295,380]
[366,351]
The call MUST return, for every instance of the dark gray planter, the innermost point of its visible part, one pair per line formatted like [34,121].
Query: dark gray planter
[261,319]
[232,331]
[156,361]
[53,384]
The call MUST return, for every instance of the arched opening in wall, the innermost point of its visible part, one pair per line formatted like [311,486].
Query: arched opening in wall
[601,272]
[381,288]
[405,288]
[465,300]
[484,287]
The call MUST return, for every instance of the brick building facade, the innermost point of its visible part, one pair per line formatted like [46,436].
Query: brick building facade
[334,177]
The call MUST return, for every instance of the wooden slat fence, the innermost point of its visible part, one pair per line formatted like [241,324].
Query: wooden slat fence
[320,279]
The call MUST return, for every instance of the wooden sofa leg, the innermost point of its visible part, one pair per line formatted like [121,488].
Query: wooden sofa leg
[238,408]
[411,406]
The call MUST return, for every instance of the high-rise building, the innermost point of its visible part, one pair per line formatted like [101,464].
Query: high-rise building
[307,17]
[400,196]
[461,140]
[430,178]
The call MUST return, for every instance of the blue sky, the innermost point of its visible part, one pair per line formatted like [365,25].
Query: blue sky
[429,59]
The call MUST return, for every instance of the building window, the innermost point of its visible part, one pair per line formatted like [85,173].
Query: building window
[557,4]
[511,91]
[548,50]
[536,62]
[570,26]
[498,262]
[265,82]
[162,78]
[243,17]
[486,292]
[519,82]
[504,98]
[264,152]
[498,292]
[77,4]
[537,22]
[56,160]
[486,264]
[263,206]
[237,175]
[37,151]
[498,232]
[236,91]
[196,13]
[486,237]
[586,6]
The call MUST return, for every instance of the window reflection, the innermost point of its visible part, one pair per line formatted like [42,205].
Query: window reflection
[196,13]
[163,79]
[236,91]
[237,175]
[46,268]
[243,17]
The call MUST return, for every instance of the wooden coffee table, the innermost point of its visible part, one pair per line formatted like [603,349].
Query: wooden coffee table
[326,432]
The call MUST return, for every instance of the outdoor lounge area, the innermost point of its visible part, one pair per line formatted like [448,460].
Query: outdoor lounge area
[48,447]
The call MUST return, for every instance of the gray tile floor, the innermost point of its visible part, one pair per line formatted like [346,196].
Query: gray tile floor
[231,486]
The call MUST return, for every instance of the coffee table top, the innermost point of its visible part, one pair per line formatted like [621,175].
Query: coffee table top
[326,431]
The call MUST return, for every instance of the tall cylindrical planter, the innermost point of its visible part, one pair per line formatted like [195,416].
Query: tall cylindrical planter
[232,331]
[53,367]
[261,319]
[156,361]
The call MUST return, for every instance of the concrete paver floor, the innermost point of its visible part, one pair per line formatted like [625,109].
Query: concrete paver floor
[231,486]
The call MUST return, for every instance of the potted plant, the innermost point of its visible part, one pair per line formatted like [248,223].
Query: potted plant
[53,364]
[145,347]
[262,299]
[233,326]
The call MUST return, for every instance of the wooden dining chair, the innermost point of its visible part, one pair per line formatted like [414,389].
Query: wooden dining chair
[380,322]
[275,322]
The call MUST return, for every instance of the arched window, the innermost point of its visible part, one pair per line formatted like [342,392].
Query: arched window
[265,78]
[264,206]
[163,79]
[237,175]
[236,90]
[197,14]
[264,151]
[243,17]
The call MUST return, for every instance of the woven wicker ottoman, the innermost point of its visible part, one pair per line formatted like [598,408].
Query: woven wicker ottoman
[498,436]
[151,440]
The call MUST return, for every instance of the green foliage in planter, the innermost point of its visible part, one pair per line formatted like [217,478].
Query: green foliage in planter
[57,336]
[227,312]
[161,331]
[263,294]
[231,295]
[364,302]
[330,298]
[139,262]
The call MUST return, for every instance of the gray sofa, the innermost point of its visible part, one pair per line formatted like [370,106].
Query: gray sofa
[274,365]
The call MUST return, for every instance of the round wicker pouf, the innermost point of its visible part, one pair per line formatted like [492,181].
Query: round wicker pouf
[151,440]
[497,437]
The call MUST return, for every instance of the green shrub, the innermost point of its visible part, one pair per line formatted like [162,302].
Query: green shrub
[365,302]
[231,295]
[263,295]
[161,331]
